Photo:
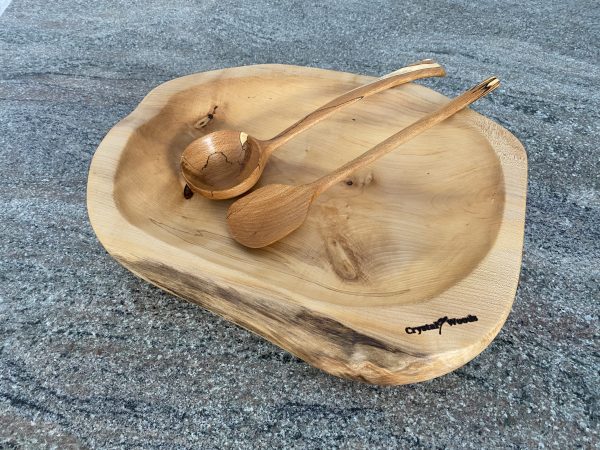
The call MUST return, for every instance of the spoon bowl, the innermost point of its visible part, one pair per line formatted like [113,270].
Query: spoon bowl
[269,213]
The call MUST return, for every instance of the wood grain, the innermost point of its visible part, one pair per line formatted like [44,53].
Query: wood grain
[359,290]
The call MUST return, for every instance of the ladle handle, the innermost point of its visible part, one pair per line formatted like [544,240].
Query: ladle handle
[421,125]
[420,69]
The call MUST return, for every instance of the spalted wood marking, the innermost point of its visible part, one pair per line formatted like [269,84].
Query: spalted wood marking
[431,232]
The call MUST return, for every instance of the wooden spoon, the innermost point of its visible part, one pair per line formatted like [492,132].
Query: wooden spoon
[274,211]
[227,163]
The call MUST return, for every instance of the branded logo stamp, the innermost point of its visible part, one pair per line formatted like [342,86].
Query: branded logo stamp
[438,324]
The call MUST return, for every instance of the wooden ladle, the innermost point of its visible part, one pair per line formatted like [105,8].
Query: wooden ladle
[227,163]
[274,211]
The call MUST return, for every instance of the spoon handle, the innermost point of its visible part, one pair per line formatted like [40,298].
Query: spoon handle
[391,143]
[415,71]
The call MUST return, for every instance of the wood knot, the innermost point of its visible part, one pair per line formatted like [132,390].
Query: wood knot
[360,179]
[205,120]
[187,192]
[344,261]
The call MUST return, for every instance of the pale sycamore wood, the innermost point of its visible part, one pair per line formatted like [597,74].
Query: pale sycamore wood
[432,231]
[227,163]
[272,212]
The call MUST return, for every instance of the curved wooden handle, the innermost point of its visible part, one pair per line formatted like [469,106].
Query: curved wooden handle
[415,71]
[391,143]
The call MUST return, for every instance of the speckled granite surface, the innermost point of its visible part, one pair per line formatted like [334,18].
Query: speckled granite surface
[93,357]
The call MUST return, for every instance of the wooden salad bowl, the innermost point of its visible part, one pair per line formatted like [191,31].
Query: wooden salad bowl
[403,272]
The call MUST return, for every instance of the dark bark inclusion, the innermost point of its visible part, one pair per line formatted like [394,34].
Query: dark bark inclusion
[199,291]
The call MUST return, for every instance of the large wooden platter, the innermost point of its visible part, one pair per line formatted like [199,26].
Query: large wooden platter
[402,273]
